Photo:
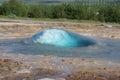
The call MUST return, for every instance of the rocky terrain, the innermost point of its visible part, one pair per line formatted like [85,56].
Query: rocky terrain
[16,29]
[42,67]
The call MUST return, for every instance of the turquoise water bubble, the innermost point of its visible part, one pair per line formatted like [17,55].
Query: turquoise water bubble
[62,38]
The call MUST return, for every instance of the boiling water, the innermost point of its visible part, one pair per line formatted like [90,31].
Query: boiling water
[62,38]
[47,45]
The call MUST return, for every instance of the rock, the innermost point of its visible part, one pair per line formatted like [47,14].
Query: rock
[24,79]
[46,79]
[60,79]
[9,68]
[106,25]
[23,71]
[109,26]
[100,78]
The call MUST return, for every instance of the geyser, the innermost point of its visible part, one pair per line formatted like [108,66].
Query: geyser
[62,38]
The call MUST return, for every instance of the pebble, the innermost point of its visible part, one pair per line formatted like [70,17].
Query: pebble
[46,79]
[109,26]
[61,79]
[23,71]
[52,79]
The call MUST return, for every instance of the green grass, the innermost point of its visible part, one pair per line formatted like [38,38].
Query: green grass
[3,17]
[68,20]
[57,20]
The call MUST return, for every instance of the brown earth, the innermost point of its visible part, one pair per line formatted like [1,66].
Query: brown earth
[13,70]
[82,68]
[10,69]
[15,29]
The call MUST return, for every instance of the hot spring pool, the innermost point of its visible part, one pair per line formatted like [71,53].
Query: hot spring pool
[63,43]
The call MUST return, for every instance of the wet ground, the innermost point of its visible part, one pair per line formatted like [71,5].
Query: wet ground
[107,49]
[101,58]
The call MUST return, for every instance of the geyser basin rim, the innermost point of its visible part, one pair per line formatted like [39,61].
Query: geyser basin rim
[62,38]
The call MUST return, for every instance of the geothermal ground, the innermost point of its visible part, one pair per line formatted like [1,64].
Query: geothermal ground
[20,65]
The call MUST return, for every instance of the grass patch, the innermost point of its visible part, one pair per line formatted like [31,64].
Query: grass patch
[58,20]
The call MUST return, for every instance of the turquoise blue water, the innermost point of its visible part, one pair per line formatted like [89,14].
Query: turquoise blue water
[62,38]
[75,46]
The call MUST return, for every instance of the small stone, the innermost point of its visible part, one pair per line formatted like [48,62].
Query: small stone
[83,59]
[24,79]
[46,79]
[60,79]
[109,26]
[62,60]
[100,78]
[23,71]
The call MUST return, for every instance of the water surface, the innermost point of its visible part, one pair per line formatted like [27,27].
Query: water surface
[108,49]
